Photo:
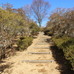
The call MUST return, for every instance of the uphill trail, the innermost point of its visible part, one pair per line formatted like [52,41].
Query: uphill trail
[37,59]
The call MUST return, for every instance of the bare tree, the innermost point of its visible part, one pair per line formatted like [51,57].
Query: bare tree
[27,10]
[40,9]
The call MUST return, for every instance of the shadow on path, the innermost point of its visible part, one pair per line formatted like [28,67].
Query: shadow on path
[4,66]
[58,54]
[64,65]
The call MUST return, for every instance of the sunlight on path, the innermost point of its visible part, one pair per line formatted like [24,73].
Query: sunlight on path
[37,59]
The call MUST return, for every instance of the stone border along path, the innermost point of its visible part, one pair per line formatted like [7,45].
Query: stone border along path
[31,62]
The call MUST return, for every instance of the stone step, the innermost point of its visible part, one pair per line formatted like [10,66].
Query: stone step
[39,52]
[42,44]
[38,61]
[41,47]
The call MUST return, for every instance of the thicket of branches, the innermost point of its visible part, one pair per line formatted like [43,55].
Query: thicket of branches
[62,22]
[61,27]
[13,24]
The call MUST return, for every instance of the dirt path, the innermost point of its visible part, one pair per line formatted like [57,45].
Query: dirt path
[37,59]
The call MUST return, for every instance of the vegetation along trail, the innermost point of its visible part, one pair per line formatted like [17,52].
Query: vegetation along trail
[37,59]
[35,39]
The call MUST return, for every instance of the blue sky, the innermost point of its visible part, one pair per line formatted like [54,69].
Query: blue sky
[54,3]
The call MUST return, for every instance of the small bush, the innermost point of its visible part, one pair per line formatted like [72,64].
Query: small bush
[34,32]
[24,42]
[48,32]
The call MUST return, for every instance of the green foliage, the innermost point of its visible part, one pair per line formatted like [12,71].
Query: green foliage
[24,42]
[48,32]
[61,24]
[67,44]
[14,24]
[34,28]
